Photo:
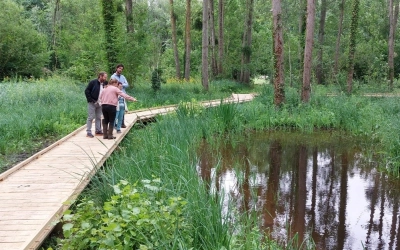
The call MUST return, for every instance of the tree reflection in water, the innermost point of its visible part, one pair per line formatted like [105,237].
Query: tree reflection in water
[321,185]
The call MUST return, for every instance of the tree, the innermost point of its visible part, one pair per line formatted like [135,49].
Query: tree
[339,35]
[54,35]
[279,92]
[246,43]
[204,46]
[109,14]
[221,28]
[214,68]
[393,15]
[302,32]
[308,49]
[352,47]
[129,16]
[321,37]
[22,48]
[187,40]
[174,40]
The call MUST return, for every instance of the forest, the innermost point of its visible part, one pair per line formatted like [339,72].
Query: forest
[322,61]
[225,39]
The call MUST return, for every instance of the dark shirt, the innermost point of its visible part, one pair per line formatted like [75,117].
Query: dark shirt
[92,91]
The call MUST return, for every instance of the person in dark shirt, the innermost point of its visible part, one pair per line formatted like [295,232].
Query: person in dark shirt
[92,93]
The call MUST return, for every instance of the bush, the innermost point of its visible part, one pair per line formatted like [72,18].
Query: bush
[23,50]
[137,216]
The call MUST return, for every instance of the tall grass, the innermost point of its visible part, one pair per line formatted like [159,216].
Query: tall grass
[167,149]
[36,112]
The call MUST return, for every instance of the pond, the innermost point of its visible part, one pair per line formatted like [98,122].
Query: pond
[325,186]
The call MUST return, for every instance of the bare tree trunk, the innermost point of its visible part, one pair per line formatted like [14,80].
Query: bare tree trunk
[204,49]
[187,40]
[54,31]
[174,40]
[308,49]
[339,35]
[321,37]
[279,91]
[214,69]
[129,17]
[352,47]
[246,48]
[221,27]
[391,41]
[302,32]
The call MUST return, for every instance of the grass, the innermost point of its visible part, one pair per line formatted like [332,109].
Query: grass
[35,113]
[167,149]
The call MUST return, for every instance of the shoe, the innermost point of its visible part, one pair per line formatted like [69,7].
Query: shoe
[89,135]
[99,133]
[123,126]
[118,131]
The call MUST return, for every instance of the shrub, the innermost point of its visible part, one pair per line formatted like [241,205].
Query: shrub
[137,216]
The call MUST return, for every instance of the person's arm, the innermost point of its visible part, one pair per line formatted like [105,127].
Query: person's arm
[125,83]
[128,97]
[88,92]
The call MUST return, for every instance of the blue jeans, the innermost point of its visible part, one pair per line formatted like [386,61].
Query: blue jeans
[119,116]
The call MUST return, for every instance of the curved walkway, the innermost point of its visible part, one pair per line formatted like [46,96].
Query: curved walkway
[35,193]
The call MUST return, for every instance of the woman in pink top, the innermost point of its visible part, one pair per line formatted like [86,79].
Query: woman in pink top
[109,102]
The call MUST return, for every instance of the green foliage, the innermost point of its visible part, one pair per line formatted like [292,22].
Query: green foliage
[22,48]
[79,46]
[156,79]
[35,111]
[137,216]
[189,109]
[109,12]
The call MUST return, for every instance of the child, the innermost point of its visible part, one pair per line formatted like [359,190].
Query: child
[120,110]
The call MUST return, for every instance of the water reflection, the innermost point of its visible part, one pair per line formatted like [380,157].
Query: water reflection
[321,186]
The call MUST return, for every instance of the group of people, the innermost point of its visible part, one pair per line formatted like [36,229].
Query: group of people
[107,98]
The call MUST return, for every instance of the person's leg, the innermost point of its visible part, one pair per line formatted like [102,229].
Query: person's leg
[123,121]
[120,115]
[91,116]
[106,120]
[116,119]
[112,112]
[98,114]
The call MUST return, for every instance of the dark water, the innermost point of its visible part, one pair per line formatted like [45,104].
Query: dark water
[320,185]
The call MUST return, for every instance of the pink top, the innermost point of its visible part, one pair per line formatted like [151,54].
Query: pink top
[110,96]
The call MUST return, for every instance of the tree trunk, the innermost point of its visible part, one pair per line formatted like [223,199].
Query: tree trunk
[204,49]
[174,40]
[321,37]
[109,14]
[308,49]
[352,47]
[187,40]
[279,91]
[214,69]
[129,17]
[54,31]
[302,32]
[339,35]
[391,41]
[247,39]
[221,27]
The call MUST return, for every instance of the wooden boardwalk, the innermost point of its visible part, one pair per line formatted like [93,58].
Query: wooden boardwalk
[35,193]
